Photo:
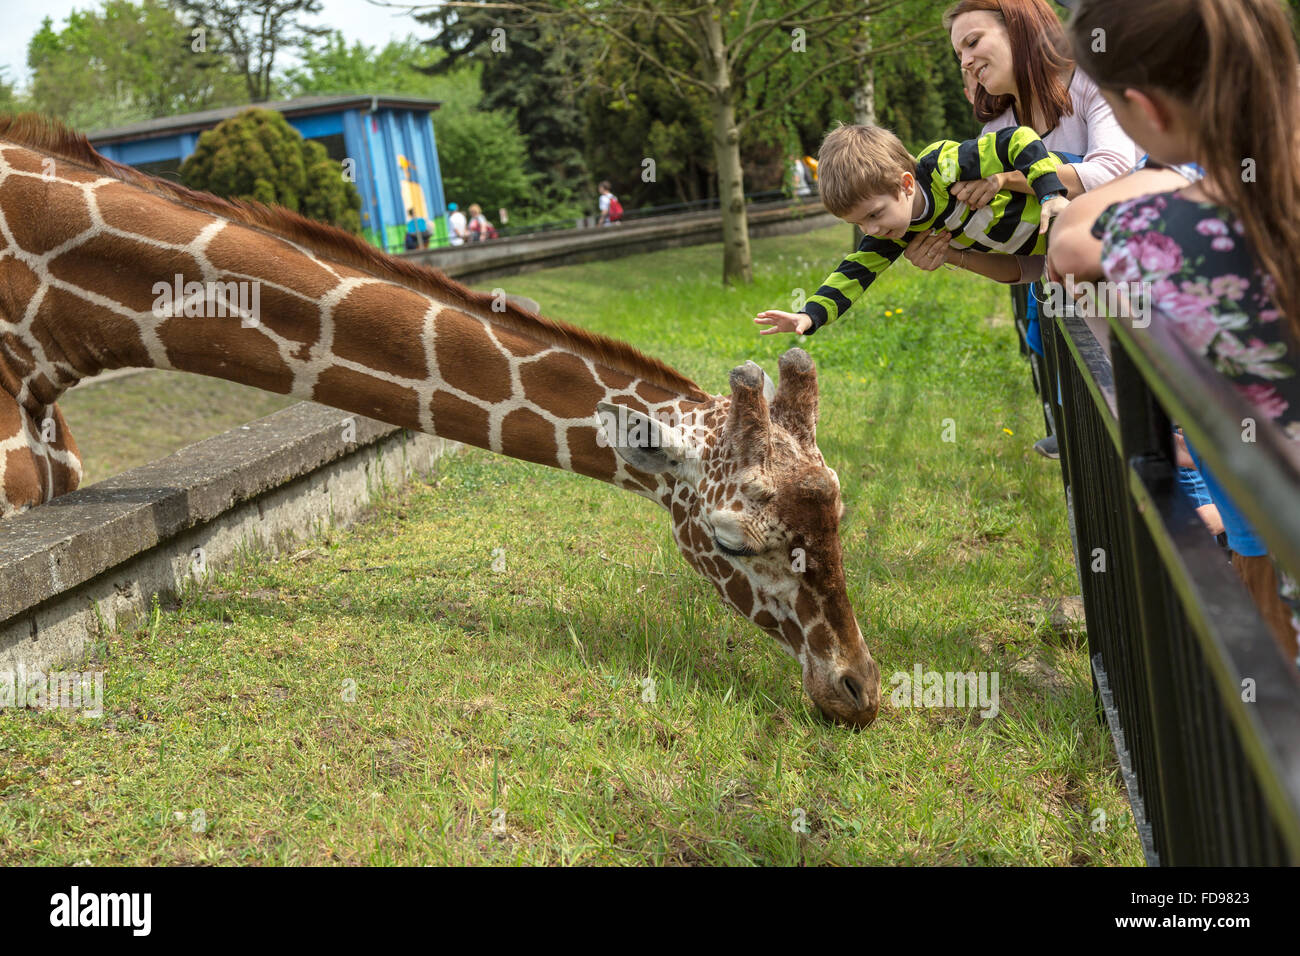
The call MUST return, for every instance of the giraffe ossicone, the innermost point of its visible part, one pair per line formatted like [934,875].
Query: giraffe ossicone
[85,241]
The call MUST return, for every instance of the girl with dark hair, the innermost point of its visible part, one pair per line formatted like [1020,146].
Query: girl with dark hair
[1217,83]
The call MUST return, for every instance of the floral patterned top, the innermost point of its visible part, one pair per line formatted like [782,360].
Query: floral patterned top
[1202,276]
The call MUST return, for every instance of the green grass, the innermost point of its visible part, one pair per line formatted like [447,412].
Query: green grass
[126,422]
[521,690]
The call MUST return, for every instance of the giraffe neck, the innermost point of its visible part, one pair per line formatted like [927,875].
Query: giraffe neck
[119,277]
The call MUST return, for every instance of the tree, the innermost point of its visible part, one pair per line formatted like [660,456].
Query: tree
[482,154]
[731,44]
[636,113]
[122,63]
[332,66]
[483,160]
[735,44]
[251,32]
[9,100]
[258,155]
[529,69]
[919,94]
[633,115]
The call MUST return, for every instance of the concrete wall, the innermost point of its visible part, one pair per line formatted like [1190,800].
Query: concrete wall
[483,261]
[92,558]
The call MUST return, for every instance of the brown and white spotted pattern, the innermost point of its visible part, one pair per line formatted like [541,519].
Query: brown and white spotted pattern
[83,242]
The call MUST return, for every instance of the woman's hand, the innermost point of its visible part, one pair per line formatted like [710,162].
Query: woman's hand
[978,193]
[928,250]
[1053,207]
[797,322]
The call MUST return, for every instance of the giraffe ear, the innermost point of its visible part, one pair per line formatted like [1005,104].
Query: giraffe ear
[641,441]
[795,408]
[769,386]
[748,426]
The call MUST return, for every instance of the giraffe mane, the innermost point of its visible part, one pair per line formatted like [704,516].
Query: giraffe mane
[47,135]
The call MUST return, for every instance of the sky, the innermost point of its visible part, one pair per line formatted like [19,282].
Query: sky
[359,20]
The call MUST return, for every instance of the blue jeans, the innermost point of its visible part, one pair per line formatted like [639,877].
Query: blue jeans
[1241,536]
[1189,479]
[1033,334]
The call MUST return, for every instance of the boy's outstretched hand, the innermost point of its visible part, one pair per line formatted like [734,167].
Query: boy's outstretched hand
[1052,207]
[797,322]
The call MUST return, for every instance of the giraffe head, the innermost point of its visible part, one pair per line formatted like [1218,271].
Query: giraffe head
[756,510]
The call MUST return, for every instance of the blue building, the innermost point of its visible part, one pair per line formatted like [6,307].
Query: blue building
[389,140]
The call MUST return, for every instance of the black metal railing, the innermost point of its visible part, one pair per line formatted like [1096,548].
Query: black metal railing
[1203,706]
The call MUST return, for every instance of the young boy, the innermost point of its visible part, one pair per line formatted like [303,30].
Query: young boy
[868,178]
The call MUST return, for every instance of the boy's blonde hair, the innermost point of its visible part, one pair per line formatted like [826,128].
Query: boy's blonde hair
[856,163]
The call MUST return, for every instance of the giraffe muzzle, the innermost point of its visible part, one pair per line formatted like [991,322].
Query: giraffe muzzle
[850,696]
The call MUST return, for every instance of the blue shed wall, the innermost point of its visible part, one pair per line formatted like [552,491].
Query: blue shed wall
[372,140]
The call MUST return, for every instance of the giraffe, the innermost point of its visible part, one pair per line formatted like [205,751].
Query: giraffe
[88,246]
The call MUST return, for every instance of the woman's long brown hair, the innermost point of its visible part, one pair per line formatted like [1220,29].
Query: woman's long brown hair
[1040,53]
[1233,63]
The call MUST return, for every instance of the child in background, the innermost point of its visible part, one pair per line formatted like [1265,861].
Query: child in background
[867,177]
[480,229]
[416,230]
[1214,82]
[611,210]
[457,227]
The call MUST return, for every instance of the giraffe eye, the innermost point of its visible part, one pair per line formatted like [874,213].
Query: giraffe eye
[734,552]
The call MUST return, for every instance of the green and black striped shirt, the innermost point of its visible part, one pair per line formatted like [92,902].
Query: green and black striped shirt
[1008,224]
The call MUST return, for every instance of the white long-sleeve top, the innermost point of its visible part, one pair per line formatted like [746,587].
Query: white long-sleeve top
[1091,131]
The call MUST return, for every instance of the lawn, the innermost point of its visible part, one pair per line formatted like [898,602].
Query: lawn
[125,422]
[511,664]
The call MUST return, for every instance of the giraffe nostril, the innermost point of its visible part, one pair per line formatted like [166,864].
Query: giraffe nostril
[852,691]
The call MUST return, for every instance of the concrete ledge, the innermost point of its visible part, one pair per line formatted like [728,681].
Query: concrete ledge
[88,558]
[479,262]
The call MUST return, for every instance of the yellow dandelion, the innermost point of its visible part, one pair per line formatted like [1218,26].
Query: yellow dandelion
[888,313]
[1008,431]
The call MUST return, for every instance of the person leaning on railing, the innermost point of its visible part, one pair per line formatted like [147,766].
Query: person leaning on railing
[1017,53]
[1219,255]
[1074,260]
